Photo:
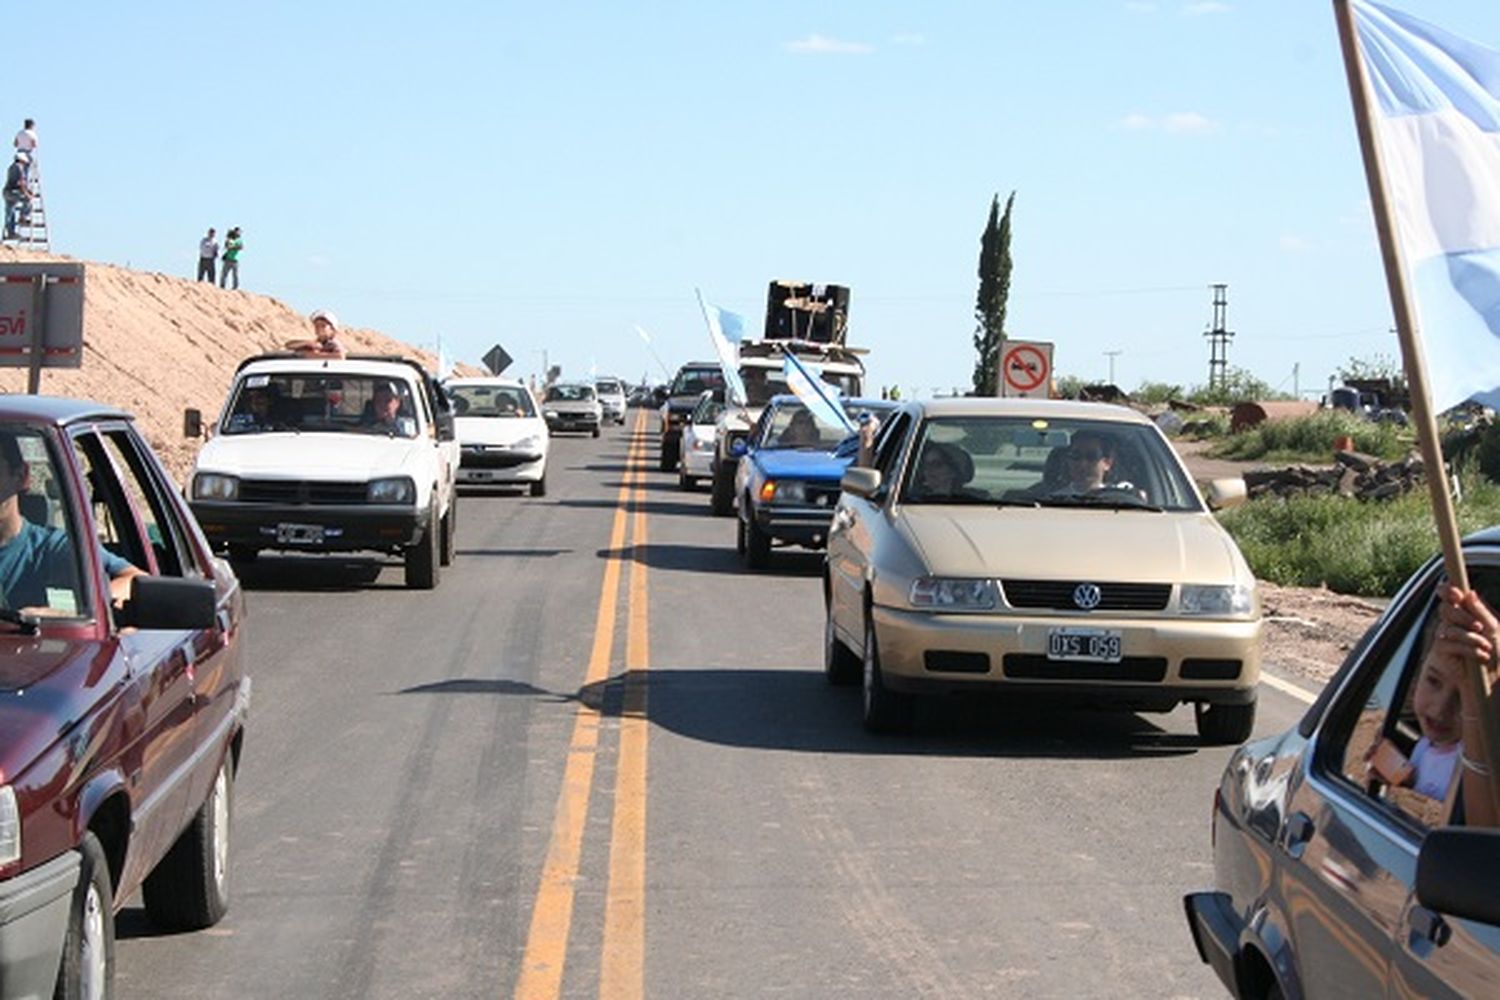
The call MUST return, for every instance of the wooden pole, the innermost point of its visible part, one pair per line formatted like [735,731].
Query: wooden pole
[1423,419]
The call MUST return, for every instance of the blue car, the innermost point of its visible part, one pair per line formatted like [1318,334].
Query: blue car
[787,483]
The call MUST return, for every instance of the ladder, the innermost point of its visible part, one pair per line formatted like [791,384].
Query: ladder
[31,230]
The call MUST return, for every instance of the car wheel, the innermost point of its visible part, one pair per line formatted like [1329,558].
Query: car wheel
[757,545]
[840,665]
[240,553]
[189,888]
[739,535]
[450,533]
[422,558]
[539,488]
[671,451]
[722,499]
[1225,724]
[596,432]
[88,957]
[684,482]
[885,711]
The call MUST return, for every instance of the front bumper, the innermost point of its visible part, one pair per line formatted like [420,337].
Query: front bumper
[276,526]
[698,464]
[500,465]
[1216,930]
[34,909]
[572,421]
[795,524]
[1164,661]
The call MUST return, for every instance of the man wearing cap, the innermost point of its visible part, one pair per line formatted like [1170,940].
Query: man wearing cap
[17,195]
[325,343]
[208,252]
[26,142]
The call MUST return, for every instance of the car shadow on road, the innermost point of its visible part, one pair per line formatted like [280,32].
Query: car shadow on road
[675,508]
[781,709]
[323,573]
[515,553]
[717,559]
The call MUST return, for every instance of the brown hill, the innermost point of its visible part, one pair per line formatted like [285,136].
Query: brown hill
[156,344]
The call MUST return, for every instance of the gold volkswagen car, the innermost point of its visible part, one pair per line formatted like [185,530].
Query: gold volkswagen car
[1038,547]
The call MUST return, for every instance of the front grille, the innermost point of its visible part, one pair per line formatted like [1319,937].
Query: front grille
[299,492]
[1210,670]
[950,661]
[1057,595]
[820,495]
[492,459]
[1031,667]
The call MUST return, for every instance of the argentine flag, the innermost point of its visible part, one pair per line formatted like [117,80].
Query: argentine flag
[820,398]
[726,330]
[1437,117]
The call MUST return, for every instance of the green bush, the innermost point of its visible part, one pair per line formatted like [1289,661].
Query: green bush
[1311,438]
[1347,545]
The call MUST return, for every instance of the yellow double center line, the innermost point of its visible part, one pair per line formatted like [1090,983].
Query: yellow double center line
[622,962]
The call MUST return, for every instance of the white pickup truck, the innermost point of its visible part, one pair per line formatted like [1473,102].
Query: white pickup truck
[315,455]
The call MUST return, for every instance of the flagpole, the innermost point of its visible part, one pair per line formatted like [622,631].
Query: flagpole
[1414,360]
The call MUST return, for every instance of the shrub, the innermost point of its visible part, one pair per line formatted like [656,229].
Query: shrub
[1346,545]
[1311,438]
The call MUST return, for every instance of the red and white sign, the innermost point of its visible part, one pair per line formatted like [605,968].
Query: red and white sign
[1026,369]
[60,336]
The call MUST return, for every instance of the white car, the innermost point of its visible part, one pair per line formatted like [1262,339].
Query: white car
[343,455]
[611,398]
[502,438]
[572,406]
[699,435]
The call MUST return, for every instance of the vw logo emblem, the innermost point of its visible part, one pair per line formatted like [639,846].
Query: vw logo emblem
[1086,596]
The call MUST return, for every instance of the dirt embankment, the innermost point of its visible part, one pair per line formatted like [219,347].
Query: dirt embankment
[157,344]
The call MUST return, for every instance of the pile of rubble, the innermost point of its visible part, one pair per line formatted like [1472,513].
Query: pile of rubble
[1353,474]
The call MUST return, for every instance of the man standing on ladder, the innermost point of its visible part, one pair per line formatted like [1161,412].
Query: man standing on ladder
[26,142]
[17,193]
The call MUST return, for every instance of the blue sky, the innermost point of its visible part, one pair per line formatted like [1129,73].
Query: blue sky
[547,176]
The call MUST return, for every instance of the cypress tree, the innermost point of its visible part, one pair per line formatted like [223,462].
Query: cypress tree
[994,290]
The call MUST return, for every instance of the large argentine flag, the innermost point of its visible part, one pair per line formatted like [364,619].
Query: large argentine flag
[726,330]
[818,396]
[1437,115]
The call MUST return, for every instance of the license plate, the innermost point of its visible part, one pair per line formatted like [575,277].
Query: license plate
[1093,645]
[482,475]
[299,534]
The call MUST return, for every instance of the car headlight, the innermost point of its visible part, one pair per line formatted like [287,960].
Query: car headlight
[1216,599]
[10,826]
[528,443]
[397,489]
[948,594]
[703,444]
[548,413]
[212,486]
[783,491]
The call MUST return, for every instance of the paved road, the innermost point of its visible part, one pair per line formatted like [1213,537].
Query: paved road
[600,759]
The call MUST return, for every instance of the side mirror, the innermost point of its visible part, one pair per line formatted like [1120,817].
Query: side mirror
[168,602]
[739,448]
[192,422]
[861,482]
[445,426]
[1458,874]
[1226,493]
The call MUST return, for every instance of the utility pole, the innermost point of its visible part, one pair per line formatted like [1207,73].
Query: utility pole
[1218,340]
[1296,380]
[1112,355]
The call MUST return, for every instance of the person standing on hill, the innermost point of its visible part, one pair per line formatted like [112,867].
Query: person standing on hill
[26,142]
[208,252]
[233,244]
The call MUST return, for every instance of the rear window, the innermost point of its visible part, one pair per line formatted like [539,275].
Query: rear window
[692,381]
[610,386]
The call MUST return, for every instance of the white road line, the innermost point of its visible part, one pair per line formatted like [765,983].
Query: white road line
[1300,693]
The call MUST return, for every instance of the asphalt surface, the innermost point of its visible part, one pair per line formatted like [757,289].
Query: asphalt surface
[601,759]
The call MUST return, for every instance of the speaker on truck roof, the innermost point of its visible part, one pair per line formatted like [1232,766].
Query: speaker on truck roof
[799,310]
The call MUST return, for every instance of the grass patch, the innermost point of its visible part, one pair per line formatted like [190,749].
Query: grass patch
[1346,545]
[1311,438]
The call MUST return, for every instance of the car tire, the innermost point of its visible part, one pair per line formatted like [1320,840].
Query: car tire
[1219,725]
[539,488]
[721,500]
[840,666]
[884,710]
[88,955]
[449,534]
[739,535]
[671,451]
[189,888]
[757,545]
[239,553]
[595,432]
[422,557]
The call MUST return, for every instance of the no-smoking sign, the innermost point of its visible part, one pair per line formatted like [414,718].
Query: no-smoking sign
[1026,369]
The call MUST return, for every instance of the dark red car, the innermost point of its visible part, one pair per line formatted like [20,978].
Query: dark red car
[122,697]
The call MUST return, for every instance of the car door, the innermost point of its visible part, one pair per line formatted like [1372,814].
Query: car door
[857,521]
[160,663]
[1350,838]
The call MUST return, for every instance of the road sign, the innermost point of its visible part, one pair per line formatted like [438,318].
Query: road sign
[496,360]
[1026,369]
[41,316]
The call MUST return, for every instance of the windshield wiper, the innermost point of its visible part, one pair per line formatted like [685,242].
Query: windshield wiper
[1112,500]
[29,624]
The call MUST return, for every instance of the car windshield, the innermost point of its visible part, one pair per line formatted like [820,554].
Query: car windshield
[39,566]
[763,383]
[1048,463]
[570,394]
[792,425]
[709,408]
[318,401]
[606,387]
[692,381]
[491,401]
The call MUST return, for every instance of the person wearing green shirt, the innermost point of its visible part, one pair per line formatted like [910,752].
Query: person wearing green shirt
[232,246]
